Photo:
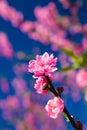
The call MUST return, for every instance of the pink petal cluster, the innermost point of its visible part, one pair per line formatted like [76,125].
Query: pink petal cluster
[26,26]
[50,22]
[81,78]
[44,64]
[40,82]
[54,107]
[6,48]
[9,13]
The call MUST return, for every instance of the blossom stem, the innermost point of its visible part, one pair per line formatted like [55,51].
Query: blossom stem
[70,118]
[51,88]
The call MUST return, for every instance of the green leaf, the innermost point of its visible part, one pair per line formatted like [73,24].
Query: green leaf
[70,53]
[73,67]
[84,57]
[65,115]
[76,59]
[66,69]
[76,65]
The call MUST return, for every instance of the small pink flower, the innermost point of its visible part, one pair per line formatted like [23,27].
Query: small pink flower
[27,26]
[81,78]
[44,64]
[6,48]
[54,107]
[40,82]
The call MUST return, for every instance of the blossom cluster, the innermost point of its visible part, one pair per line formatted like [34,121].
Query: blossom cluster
[44,66]
[6,49]
[55,26]
[59,31]
[10,14]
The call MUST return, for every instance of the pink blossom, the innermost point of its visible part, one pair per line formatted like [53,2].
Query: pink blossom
[26,101]
[27,26]
[44,64]
[13,102]
[19,85]
[14,16]
[78,49]
[47,15]
[20,68]
[37,33]
[54,107]
[81,78]
[3,9]
[65,3]
[40,82]
[4,85]
[6,49]
[84,43]
[20,125]
[10,13]
[40,28]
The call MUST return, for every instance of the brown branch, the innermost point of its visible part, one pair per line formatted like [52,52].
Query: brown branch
[78,124]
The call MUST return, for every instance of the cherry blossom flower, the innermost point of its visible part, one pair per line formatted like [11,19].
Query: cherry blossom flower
[81,78]
[27,26]
[6,48]
[40,82]
[44,64]
[11,14]
[54,107]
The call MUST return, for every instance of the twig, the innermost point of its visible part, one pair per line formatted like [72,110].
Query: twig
[76,126]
